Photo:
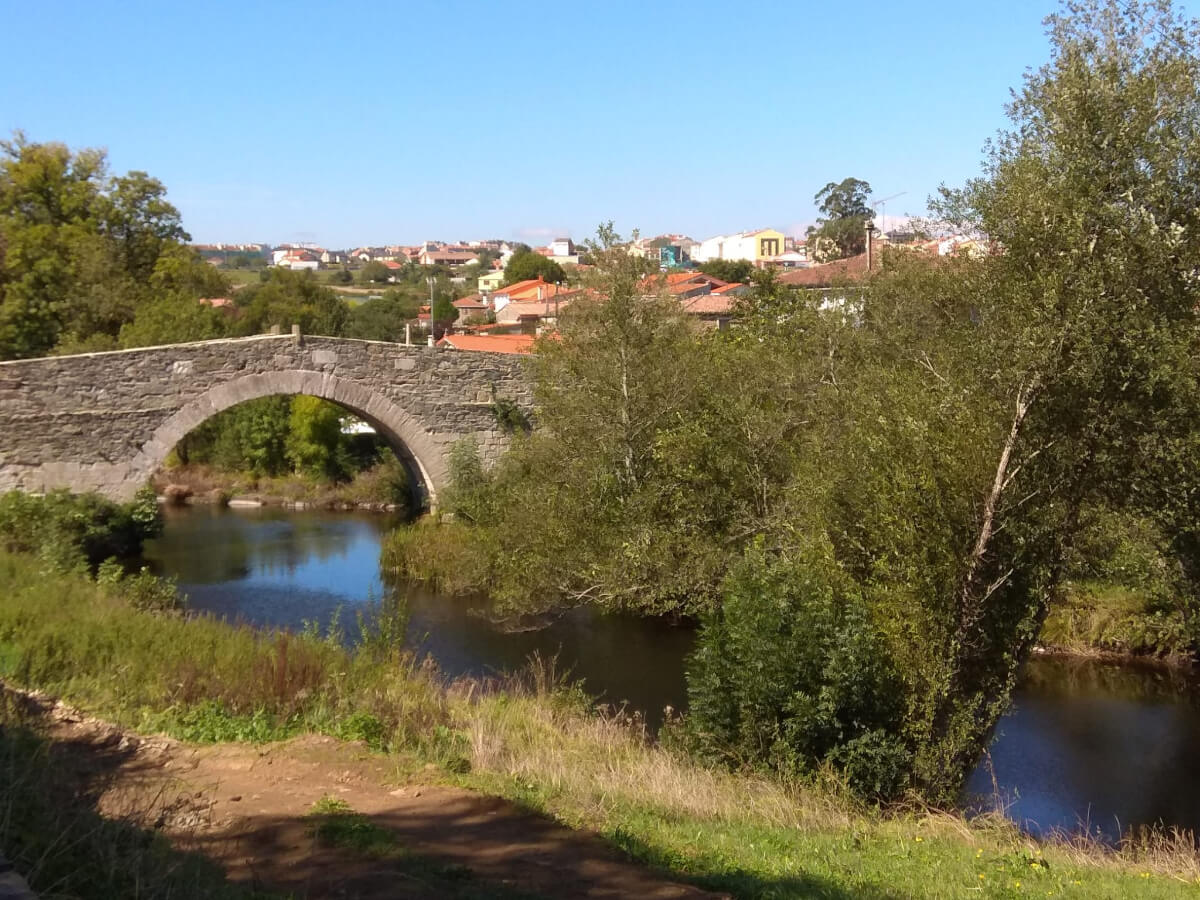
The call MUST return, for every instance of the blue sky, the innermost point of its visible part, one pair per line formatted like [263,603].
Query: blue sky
[374,123]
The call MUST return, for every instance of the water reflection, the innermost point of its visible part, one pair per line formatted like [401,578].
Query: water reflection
[271,567]
[1100,745]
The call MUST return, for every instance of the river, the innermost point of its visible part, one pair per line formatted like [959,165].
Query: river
[1092,745]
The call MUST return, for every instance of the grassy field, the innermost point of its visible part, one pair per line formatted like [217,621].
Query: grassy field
[537,742]
[242,277]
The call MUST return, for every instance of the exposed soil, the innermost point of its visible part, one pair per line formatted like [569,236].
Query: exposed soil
[247,807]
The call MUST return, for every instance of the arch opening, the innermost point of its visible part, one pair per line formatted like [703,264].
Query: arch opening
[397,428]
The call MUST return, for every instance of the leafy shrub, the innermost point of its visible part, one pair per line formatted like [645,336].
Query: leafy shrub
[142,590]
[790,674]
[72,531]
[452,557]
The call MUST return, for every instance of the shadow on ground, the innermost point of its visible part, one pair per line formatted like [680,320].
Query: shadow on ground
[89,812]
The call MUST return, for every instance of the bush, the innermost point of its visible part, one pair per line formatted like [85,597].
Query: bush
[72,531]
[790,674]
[452,557]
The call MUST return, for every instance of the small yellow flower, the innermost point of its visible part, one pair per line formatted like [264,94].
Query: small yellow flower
[981,876]
[918,839]
[1145,874]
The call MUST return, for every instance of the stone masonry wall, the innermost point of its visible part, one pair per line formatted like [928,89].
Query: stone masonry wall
[105,421]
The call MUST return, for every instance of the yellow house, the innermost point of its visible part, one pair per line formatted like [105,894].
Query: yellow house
[490,282]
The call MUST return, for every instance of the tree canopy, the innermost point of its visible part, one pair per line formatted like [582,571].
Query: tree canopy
[841,229]
[81,250]
[526,264]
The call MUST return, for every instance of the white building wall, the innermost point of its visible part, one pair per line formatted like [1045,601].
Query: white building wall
[708,249]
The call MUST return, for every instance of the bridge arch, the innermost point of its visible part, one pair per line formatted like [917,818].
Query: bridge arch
[402,432]
[106,421]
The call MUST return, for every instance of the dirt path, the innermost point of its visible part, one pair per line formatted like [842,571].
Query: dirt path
[248,808]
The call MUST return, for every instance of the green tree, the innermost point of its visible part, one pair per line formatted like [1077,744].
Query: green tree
[287,298]
[78,247]
[973,410]
[1091,321]
[525,264]
[314,437]
[841,229]
[383,318]
[172,320]
[375,272]
[739,270]
[443,313]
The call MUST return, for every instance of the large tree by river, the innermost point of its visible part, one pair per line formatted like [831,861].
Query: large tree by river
[891,488]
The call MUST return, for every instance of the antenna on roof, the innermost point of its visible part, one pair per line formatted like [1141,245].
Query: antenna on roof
[883,212]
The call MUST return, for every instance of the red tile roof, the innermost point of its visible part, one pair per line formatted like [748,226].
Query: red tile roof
[852,269]
[528,290]
[708,304]
[489,343]
[474,301]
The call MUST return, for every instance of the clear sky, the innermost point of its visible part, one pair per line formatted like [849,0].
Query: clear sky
[372,123]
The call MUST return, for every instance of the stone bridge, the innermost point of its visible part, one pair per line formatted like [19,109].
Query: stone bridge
[105,421]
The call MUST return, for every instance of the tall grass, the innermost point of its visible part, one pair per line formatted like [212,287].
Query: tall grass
[199,677]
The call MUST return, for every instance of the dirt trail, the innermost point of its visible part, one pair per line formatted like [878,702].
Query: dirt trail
[246,807]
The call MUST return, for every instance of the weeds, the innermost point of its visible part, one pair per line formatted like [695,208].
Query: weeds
[335,824]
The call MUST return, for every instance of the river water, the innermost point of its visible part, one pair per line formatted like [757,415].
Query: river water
[1086,745]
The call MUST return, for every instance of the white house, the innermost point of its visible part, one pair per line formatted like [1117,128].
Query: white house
[708,249]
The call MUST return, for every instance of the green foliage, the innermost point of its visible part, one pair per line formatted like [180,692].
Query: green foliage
[197,677]
[248,437]
[469,495]
[375,272]
[142,590]
[174,319]
[84,252]
[383,318]
[443,312]
[739,270]
[790,672]
[841,229]
[510,417]
[526,264]
[287,298]
[75,531]
[314,437]
[452,557]
[336,824]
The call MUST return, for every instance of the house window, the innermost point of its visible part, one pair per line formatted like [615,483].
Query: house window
[768,246]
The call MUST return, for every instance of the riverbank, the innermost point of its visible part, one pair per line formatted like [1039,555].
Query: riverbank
[1096,620]
[382,488]
[533,741]
[1107,621]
